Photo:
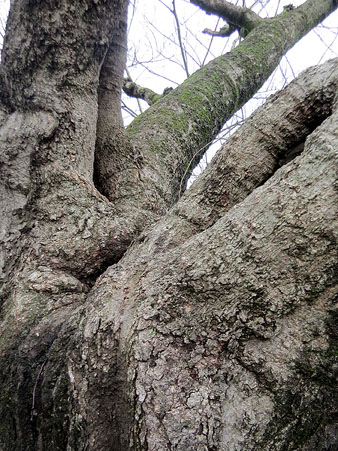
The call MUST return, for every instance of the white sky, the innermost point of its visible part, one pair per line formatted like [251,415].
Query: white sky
[150,18]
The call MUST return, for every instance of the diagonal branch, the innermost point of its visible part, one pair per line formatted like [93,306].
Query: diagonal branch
[251,155]
[194,113]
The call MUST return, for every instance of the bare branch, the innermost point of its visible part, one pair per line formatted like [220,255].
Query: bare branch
[210,43]
[132,89]
[128,110]
[225,31]
[180,39]
[242,19]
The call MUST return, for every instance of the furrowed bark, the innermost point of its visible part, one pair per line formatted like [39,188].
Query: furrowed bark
[227,340]
[191,318]
[55,221]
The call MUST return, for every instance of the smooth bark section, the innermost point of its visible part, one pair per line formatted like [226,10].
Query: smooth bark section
[178,128]
[110,141]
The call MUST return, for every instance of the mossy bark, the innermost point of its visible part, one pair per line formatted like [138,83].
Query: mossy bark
[178,129]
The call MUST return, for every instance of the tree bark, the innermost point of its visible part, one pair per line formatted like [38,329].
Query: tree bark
[224,337]
[123,325]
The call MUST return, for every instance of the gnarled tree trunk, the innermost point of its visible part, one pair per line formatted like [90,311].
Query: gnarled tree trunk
[131,320]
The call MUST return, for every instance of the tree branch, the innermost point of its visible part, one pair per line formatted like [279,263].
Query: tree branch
[194,113]
[252,154]
[242,19]
[132,89]
[183,53]
[225,31]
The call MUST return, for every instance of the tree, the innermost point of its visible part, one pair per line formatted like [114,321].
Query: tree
[130,318]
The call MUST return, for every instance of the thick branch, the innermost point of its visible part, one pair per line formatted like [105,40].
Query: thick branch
[193,114]
[270,137]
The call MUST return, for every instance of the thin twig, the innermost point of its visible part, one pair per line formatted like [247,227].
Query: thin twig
[210,42]
[180,40]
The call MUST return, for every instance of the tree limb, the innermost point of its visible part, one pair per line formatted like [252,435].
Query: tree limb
[182,49]
[211,95]
[251,155]
[132,89]
[237,17]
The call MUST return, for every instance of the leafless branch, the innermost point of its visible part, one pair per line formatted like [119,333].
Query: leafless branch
[178,28]
[127,109]
[132,89]
[237,17]
[210,43]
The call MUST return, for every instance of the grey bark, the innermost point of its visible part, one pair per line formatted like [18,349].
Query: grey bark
[226,330]
[216,327]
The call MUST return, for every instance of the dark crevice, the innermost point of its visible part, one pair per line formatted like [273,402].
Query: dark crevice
[89,276]
[96,178]
[90,279]
[292,153]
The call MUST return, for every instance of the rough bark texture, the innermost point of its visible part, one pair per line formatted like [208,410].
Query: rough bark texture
[215,326]
[226,336]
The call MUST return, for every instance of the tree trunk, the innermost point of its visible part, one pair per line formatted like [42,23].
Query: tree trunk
[211,326]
